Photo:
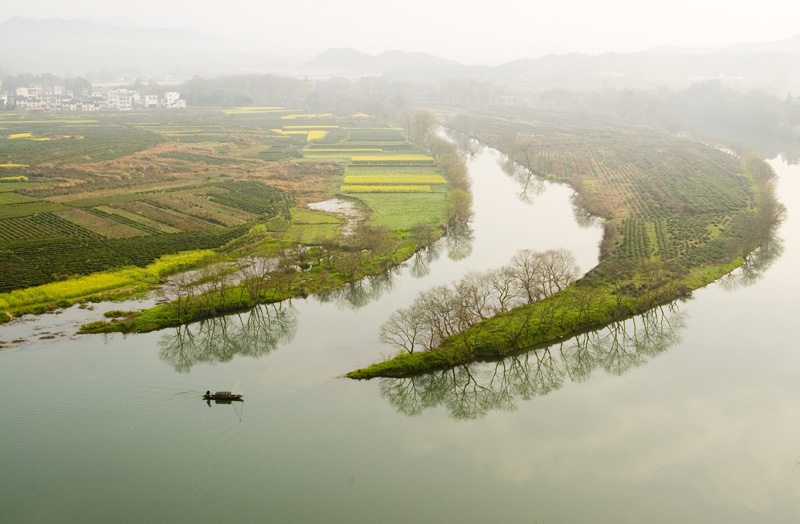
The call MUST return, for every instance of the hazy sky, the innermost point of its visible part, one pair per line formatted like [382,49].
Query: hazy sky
[504,30]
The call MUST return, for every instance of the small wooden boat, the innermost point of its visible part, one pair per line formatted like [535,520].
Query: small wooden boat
[234,394]
[222,395]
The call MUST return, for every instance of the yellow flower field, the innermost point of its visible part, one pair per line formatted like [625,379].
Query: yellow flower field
[342,150]
[393,158]
[386,189]
[311,127]
[100,282]
[315,134]
[394,179]
[320,115]
[252,110]
[284,132]
[19,135]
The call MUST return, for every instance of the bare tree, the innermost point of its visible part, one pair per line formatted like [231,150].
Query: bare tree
[560,270]
[256,274]
[475,296]
[525,266]
[404,329]
[502,282]
[179,291]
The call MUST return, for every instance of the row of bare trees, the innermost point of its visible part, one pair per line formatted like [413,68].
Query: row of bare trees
[225,285]
[471,391]
[444,311]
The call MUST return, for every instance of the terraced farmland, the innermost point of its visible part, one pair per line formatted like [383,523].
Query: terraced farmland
[379,163]
[665,199]
[92,194]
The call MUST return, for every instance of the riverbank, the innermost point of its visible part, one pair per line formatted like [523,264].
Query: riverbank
[268,288]
[670,228]
[578,309]
[107,286]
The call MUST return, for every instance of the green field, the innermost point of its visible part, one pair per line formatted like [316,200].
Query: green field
[119,190]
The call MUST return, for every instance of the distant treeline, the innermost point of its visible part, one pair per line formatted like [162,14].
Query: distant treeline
[245,90]
[45,80]
[762,121]
[707,107]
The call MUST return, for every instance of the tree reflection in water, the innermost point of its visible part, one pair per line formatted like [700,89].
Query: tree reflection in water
[360,293]
[421,263]
[530,185]
[459,241]
[472,391]
[254,333]
[466,145]
[759,260]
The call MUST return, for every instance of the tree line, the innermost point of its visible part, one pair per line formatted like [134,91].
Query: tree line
[445,311]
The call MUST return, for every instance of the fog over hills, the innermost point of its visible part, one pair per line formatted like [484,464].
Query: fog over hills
[112,48]
[104,49]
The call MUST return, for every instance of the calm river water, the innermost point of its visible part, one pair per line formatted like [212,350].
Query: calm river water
[689,414]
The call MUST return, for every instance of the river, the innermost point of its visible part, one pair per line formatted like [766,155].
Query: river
[689,414]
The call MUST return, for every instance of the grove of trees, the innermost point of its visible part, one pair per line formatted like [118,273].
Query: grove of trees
[444,311]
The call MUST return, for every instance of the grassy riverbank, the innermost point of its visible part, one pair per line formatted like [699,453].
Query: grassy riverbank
[213,297]
[678,215]
[99,286]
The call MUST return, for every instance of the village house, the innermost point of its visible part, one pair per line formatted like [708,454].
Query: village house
[59,98]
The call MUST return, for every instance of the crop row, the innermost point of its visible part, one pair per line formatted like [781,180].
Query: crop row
[38,261]
[44,225]
[394,179]
[386,189]
[254,197]
[98,144]
[160,209]
[125,220]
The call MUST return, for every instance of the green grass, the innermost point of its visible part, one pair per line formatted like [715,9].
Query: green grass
[312,226]
[96,143]
[14,198]
[29,208]
[401,212]
[100,282]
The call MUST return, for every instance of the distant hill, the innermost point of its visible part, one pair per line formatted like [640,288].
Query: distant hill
[28,33]
[79,47]
[346,60]
[771,66]
[118,47]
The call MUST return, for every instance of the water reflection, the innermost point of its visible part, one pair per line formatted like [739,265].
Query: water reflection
[530,184]
[238,405]
[359,294]
[254,334]
[467,145]
[583,217]
[472,391]
[759,260]
[421,263]
[459,241]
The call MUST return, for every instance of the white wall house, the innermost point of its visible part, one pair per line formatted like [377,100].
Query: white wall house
[58,98]
[171,98]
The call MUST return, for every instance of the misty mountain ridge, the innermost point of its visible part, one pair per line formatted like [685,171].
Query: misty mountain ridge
[119,46]
[83,48]
[28,33]
[350,60]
